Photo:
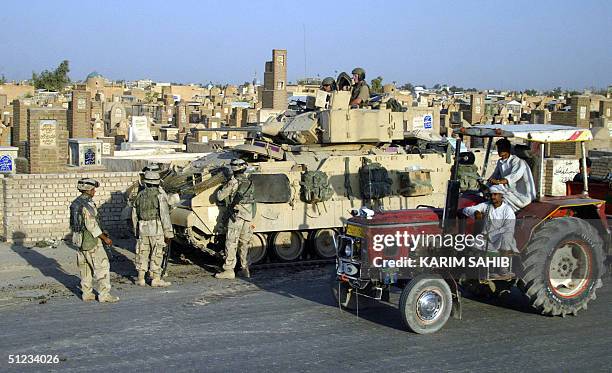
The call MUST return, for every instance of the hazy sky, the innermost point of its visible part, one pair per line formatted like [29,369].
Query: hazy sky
[484,44]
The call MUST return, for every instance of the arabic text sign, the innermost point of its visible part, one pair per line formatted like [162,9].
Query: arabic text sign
[48,132]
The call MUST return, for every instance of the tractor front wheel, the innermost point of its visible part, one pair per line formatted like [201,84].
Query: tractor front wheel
[426,304]
[562,266]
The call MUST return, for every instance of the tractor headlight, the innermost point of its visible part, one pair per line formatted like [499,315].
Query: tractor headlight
[348,250]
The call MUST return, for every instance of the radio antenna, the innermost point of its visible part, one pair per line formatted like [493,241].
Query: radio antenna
[304,28]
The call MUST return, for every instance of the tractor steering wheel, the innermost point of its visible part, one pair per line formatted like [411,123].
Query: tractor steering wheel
[484,189]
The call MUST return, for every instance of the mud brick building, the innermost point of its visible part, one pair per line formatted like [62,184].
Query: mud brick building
[579,116]
[20,124]
[47,140]
[476,110]
[79,115]
[274,94]
[181,119]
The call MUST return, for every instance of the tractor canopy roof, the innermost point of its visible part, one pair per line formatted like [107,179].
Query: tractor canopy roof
[545,133]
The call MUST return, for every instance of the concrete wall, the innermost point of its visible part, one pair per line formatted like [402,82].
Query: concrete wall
[35,207]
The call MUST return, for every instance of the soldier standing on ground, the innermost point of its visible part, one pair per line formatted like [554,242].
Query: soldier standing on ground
[361,92]
[88,237]
[130,195]
[153,229]
[238,194]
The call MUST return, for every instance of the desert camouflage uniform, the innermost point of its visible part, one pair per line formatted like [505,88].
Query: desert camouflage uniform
[151,236]
[239,226]
[92,263]
[362,91]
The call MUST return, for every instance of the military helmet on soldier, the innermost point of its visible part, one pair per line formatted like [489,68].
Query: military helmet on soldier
[360,73]
[86,184]
[328,81]
[151,177]
[238,165]
[151,167]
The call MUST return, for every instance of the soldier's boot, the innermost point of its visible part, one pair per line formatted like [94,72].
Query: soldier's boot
[108,298]
[141,279]
[228,274]
[245,272]
[88,297]
[157,282]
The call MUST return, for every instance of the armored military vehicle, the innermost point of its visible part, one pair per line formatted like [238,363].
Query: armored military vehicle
[310,167]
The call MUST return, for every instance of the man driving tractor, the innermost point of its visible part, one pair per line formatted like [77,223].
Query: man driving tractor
[513,175]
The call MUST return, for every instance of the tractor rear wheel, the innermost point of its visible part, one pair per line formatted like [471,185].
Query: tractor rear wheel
[562,266]
[426,304]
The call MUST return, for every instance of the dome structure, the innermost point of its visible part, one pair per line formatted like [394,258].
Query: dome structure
[94,74]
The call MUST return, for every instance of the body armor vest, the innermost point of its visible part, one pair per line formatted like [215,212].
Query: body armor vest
[77,223]
[147,204]
[244,193]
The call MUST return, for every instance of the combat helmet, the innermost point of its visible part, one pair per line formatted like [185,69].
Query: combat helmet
[151,177]
[151,167]
[86,184]
[360,73]
[238,165]
[329,81]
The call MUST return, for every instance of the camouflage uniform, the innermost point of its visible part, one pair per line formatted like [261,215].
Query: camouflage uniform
[362,91]
[238,191]
[152,225]
[92,260]
[130,196]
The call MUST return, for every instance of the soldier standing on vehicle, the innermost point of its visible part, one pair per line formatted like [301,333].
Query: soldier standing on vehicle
[328,85]
[153,229]
[87,235]
[361,91]
[499,223]
[238,194]
[514,176]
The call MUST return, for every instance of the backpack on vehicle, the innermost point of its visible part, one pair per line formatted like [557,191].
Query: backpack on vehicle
[374,180]
[395,106]
[467,174]
[315,187]
[415,183]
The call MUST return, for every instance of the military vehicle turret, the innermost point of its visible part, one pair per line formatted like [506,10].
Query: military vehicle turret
[310,167]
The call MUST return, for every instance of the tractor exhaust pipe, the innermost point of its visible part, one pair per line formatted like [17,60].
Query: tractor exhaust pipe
[452,193]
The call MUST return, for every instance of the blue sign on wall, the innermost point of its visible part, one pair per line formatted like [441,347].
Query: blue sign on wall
[6,163]
[90,156]
[427,122]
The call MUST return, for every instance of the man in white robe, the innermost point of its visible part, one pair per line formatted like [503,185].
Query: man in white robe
[499,223]
[513,174]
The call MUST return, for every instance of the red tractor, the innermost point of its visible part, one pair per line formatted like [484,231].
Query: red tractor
[562,242]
